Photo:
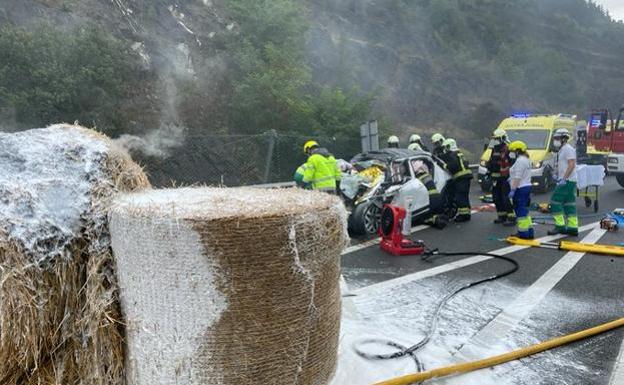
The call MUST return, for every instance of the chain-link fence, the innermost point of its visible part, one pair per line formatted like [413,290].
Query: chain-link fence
[238,160]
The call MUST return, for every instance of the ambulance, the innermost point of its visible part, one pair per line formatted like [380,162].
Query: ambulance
[536,131]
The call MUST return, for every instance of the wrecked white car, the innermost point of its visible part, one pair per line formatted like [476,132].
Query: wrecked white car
[389,177]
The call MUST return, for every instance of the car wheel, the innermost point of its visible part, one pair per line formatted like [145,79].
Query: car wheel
[365,219]
[620,179]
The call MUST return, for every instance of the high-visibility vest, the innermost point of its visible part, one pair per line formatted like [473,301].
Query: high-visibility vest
[298,178]
[321,172]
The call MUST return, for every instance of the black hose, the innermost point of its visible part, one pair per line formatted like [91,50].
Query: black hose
[403,351]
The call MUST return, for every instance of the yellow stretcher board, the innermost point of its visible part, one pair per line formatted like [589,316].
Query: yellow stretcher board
[570,246]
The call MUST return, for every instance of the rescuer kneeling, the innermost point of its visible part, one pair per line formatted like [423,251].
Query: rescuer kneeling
[520,183]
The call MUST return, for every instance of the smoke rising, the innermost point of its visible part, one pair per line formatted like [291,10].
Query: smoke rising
[156,143]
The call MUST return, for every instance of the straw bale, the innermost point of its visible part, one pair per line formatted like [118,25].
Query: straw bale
[229,286]
[60,321]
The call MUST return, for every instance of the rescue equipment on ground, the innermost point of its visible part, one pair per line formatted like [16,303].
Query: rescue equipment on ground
[405,351]
[503,358]
[570,246]
[610,224]
[543,208]
[393,230]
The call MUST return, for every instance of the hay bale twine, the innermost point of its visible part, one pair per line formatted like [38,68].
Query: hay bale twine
[229,286]
[60,322]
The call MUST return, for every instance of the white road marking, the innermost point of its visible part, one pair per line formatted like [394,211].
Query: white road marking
[617,376]
[372,242]
[392,283]
[496,331]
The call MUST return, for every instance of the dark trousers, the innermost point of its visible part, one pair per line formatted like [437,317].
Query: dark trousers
[500,195]
[461,196]
[436,209]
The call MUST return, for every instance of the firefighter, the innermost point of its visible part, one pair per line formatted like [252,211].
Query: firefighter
[437,140]
[498,169]
[393,141]
[563,200]
[520,188]
[321,171]
[414,147]
[416,139]
[436,202]
[461,177]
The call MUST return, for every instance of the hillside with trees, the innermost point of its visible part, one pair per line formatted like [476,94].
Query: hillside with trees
[303,67]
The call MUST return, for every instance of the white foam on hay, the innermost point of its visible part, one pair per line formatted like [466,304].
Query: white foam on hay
[46,179]
[196,203]
[168,302]
[167,281]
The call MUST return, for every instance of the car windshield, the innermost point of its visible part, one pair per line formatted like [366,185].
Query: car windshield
[534,139]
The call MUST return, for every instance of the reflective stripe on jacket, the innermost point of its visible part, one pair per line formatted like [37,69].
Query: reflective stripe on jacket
[321,171]
[298,178]
[455,164]
[499,163]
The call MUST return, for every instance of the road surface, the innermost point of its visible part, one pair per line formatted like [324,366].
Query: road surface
[553,293]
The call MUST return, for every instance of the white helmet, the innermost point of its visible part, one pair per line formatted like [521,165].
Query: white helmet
[437,138]
[414,147]
[499,133]
[562,133]
[415,138]
[450,143]
[393,139]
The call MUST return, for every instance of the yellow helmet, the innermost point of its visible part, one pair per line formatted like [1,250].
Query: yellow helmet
[308,145]
[518,146]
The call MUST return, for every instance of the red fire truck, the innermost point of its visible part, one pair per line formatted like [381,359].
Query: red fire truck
[606,135]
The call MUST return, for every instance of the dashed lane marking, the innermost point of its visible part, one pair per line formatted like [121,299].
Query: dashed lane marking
[496,331]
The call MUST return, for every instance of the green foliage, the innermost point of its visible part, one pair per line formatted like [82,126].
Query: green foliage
[484,119]
[48,76]
[273,86]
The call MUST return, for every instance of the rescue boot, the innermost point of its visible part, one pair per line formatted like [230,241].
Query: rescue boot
[440,222]
[500,220]
[510,222]
[462,218]
[556,231]
[572,232]
[524,236]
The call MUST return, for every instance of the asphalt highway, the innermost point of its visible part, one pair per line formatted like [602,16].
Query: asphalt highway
[553,293]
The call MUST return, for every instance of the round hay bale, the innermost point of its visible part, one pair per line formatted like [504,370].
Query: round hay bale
[60,322]
[229,286]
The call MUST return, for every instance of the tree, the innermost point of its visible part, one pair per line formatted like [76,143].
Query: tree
[48,76]
[272,86]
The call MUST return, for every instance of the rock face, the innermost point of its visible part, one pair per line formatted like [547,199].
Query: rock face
[432,63]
